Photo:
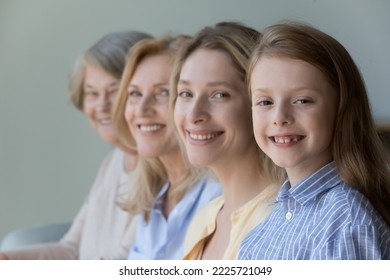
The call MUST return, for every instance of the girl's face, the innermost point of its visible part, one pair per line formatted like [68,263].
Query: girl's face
[212,110]
[146,111]
[294,110]
[100,90]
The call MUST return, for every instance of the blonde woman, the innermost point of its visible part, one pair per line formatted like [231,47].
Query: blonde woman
[212,112]
[168,191]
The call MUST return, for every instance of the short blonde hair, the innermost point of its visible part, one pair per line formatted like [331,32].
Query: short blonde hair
[109,54]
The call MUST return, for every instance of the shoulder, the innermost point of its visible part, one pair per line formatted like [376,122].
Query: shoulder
[209,186]
[110,169]
[207,214]
[114,157]
[213,206]
[346,199]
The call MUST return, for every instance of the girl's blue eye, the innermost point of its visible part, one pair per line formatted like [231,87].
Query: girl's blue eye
[302,101]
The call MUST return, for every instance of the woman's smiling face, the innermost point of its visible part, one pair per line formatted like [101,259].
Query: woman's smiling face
[100,90]
[146,111]
[212,110]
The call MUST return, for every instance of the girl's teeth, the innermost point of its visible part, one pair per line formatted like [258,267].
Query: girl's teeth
[285,140]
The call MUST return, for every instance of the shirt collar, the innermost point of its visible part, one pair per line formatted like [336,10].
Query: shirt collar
[159,202]
[312,186]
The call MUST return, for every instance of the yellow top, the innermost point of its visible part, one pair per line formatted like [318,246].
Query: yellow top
[243,220]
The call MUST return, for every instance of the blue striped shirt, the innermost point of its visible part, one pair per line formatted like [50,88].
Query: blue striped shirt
[320,218]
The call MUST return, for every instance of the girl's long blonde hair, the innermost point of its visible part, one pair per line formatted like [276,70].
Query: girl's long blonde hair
[357,150]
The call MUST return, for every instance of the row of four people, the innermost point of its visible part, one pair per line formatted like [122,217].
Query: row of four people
[290,126]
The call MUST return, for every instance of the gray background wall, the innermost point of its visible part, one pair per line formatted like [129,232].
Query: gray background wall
[49,155]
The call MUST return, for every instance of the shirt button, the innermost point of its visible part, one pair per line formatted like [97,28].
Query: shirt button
[289,215]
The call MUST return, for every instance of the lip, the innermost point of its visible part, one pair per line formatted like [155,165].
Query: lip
[104,121]
[286,140]
[202,137]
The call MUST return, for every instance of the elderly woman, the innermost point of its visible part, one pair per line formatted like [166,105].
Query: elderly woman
[101,230]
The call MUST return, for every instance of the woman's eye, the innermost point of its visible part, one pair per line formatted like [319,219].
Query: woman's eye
[134,94]
[164,92]
[263,102]
[221,95]
[91,94]
[184,94]
[162,96]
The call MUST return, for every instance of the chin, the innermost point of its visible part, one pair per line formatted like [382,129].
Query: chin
[110,139]
[198,161]
[147,153]
[284,164]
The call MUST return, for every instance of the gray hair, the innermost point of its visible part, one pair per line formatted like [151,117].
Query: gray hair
[109,54]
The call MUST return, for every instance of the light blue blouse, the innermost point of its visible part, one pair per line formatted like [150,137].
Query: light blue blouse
[319,218]
[163,239]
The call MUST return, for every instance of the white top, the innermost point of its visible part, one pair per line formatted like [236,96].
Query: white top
[101,230]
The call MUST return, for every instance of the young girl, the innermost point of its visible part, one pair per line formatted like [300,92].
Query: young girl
[311,116]
[212,115]
[168,191]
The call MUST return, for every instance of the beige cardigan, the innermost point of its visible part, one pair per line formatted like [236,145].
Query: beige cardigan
[101,230]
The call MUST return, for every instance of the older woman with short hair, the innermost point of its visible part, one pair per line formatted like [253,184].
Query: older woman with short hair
[101,230]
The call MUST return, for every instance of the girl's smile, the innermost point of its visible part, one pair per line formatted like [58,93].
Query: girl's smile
[294,110]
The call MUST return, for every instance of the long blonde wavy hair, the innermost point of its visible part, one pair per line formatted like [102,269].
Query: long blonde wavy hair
[150,174]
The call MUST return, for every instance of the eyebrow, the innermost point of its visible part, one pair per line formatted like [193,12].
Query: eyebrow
[260,90]
[110,85]
[184,82]
[218,83]
[155,85]
[294,89]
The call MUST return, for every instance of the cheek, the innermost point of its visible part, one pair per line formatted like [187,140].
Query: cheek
[164,113]
[246,116]
[88,110]
[258,124]
[129,115]
[178,116]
